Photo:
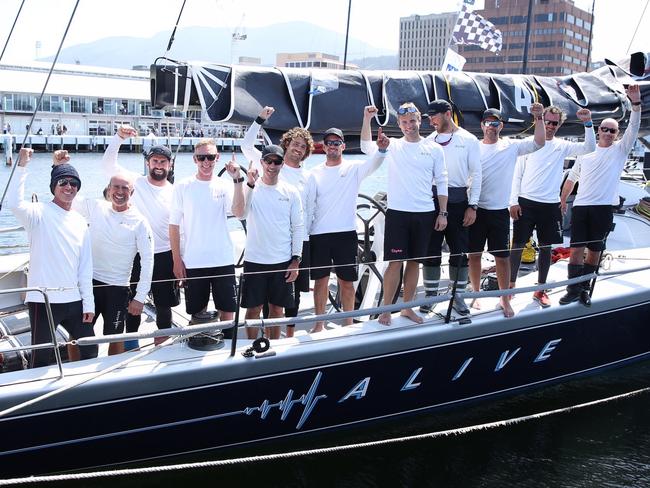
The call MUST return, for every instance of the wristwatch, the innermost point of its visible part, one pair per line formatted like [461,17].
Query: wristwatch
[473,206]
[443,213]
[238,180]
[297,258]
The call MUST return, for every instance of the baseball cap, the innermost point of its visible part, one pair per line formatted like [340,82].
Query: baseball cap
[272,149]
[160,151]
[492,112]
[334,132]
[438,106]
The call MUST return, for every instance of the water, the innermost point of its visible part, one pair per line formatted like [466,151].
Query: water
[601,446]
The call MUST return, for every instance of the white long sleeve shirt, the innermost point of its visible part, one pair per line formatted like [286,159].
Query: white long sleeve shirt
[332,194]
[538,176]
[60,254]
[463,160]
[274,223]
[599,172]
[116,238]
[413,167]
[153,202]
[200,209]
[498,161]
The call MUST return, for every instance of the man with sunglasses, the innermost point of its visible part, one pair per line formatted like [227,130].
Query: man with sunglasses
[535,194]
[498,159]
[60,258]
[599,174]
[297,145]
[273,241]
[463,160]
[414,163]
[152,197]
[330,218]
[201,204]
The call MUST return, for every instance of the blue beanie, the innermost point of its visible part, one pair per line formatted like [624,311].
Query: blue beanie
[63,171]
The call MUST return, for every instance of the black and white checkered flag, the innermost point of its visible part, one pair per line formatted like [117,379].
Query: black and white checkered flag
[471,28]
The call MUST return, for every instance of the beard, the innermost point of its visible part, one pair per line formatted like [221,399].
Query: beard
[158,176]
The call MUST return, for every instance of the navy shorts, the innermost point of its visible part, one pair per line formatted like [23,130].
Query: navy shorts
[163,284]
[111,302]
[546,218]
[407,234]
[267,283]
[302,282]
[456,235]
[590,225]
[492,226]
[338,249]
[219,280]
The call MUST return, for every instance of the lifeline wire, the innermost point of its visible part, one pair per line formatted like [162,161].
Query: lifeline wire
[324,450]
[40,99]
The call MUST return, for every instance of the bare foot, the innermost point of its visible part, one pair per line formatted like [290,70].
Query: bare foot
[384,318]
[318,327]
[347,321]
[410,314]
[159,340]
[475,304]
[504,303]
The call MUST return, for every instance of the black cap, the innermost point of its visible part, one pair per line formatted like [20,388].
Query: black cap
[272,150]
[492,112]
[63,171]
[334,132]
[438,106]
[160,151]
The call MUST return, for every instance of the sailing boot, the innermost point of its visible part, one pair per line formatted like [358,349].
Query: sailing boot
[585,294]
[460,275]
[573,291]
[431,278]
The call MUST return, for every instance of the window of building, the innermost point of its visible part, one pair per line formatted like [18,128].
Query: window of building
[570,19]
[579,22]
[569,33]
[518,19]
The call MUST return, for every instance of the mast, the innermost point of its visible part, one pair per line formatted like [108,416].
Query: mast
[524,64]
[347,35]
[591,34]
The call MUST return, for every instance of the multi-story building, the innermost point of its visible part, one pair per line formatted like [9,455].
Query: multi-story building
[310,60]
[423,40]
[558,38]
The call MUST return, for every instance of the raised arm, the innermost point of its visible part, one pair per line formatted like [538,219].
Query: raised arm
[589,144]
[109,159]
[367,147]
[237,208]
[632,131]
[25,212]
[251,153]
[374,162]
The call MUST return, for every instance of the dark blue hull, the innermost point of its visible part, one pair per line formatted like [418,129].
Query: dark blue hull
[324,397]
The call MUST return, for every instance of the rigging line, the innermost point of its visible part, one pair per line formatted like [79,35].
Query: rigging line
[637,26]
[172,37]
[12,30]
[40,100]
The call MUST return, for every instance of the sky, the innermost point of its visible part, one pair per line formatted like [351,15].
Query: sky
[373,21]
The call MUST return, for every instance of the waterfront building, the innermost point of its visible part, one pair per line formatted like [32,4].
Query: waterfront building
[423,40]
[310,60]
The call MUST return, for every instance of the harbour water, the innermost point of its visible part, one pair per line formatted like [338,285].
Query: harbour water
[606,445]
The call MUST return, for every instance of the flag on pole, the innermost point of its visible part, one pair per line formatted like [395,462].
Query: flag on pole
[453,61]
[471,28]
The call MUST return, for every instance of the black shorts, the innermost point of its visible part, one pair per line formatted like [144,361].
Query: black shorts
[163,284]
[546,218]
[302,282]
[111,302]
[407,234]
[220,280]
[590,225]
[492,226]
[338,249]
[456,235]
[69,316]
[267,283]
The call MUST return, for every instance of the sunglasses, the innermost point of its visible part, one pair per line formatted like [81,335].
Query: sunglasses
[491,123]
[608,129]
[407,110]
[203,157]
[554,123]
[68,181]
[276,161]
[333,143]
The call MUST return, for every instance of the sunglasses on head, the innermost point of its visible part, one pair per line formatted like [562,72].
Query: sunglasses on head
[554,123]
[203,157]
[608,129]
[335,143]
[68,181]
[407,110]
[491,123]
[276,161]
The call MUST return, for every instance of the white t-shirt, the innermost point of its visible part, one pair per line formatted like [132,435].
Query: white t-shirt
[463,160]
[538,176]
[200,209]
[498,164]
[413,167]
[116,238]
[599,172]
[60,254]
[152,201]
[274,223]
[332,194]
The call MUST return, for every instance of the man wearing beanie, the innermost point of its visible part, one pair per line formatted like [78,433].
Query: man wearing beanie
[60,259]
[152,197]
